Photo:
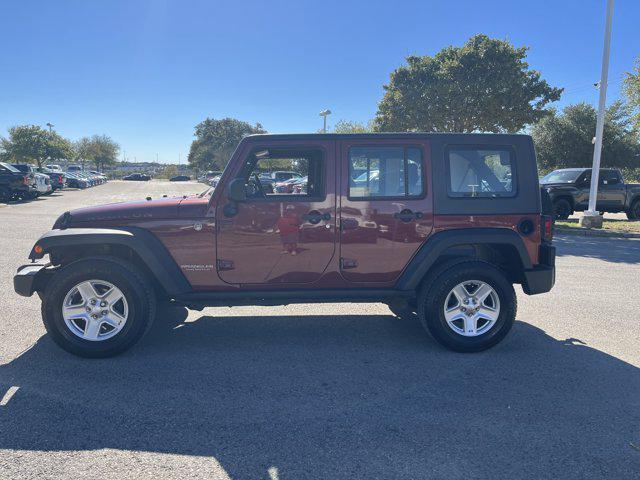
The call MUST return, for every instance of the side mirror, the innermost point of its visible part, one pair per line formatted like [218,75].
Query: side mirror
[236,191]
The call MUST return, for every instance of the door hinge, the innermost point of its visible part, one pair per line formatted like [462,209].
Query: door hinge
[225,265]
[346,263]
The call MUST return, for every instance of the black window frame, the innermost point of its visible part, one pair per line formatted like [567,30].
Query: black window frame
[405,197]
[247,168]
[514,171]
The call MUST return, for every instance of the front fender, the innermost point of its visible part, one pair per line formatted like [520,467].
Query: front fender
[151,251]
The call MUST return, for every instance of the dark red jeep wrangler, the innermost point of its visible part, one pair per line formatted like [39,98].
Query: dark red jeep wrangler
[444,222]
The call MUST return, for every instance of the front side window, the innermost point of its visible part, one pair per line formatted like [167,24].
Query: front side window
[478,172]
[385,172]
[290,172]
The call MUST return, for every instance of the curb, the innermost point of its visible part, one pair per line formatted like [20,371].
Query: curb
[585,232]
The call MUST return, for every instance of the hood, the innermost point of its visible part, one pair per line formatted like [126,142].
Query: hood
[125,211]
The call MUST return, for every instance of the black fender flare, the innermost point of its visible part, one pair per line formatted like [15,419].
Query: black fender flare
[435,246]
[146,245]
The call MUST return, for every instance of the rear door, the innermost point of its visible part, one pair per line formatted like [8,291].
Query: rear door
[611,190]
[278,238]
[386,208]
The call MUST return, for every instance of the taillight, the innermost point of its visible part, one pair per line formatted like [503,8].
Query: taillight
[547,228]
[25,180]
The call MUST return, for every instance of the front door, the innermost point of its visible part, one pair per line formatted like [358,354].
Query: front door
[386,209]
[284,232]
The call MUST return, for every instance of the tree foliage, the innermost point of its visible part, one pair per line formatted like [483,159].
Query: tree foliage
[347,126]
[566,139]
[101,150]
[486,85]
[216,140]
[632,91]
[34,144]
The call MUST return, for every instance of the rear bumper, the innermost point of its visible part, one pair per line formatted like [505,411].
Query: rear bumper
[542,277]
[29,279]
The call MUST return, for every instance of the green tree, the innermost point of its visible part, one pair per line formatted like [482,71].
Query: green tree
[170,171]
[346,126]
[632,91]
[486,85]
[566,139]
[34,144]
[103,151]
[216,140]
[83,151]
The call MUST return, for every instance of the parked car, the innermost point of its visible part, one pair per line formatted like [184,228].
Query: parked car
[54,167]
[102,178]
[42,181]
[569,192]
[77,180]
[16,185]
[271,179]
[138,177]
[37,187]
[215,180]
[57,178]
[74,168]
[109,266]
[180,178]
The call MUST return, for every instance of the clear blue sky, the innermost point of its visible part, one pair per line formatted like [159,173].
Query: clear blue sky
[145,72]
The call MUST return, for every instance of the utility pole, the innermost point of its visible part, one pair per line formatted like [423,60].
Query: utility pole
[50,125]
[324,114]
[592,218]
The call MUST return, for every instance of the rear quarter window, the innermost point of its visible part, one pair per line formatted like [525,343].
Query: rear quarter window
[481,172]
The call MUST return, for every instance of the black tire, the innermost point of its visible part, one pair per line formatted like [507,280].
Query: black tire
[137,290]
[634,212]
[434,294]
[562,209]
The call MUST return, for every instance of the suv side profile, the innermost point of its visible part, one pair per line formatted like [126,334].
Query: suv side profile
[447,223]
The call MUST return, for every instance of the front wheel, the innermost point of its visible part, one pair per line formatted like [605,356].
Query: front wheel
[469,307]
[562,209]
[98,307]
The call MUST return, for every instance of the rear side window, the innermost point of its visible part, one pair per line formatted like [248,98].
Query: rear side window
[384,172]
[478,172]
[610,177]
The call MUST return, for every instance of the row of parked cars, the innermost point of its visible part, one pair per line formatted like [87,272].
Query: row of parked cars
[25,181]
[278,182]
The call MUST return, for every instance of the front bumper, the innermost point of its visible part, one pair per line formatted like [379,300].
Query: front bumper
[29,279]
[542,277]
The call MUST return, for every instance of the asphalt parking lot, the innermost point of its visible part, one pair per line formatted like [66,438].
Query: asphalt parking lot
[326,391]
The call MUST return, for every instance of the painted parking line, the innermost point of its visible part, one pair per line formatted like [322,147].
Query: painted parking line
[7,396]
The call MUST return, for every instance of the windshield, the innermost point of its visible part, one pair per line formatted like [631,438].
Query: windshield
[10,167]
[562,176]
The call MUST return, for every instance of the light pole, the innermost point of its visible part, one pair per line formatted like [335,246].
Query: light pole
[591,217]
[50,125]
[324,114]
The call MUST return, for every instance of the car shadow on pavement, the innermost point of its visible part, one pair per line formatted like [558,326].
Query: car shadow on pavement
[334,396]
[614,250]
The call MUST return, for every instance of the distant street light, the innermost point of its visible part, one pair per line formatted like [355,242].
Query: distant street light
[50,125]
[324,114]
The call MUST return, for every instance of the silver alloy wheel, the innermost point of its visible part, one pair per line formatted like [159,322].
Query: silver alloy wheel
[95,310]
[472,308]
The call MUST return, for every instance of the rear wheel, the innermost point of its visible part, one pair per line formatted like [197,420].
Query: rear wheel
[469,307]
[98,307]
[634,211]
[562,209]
